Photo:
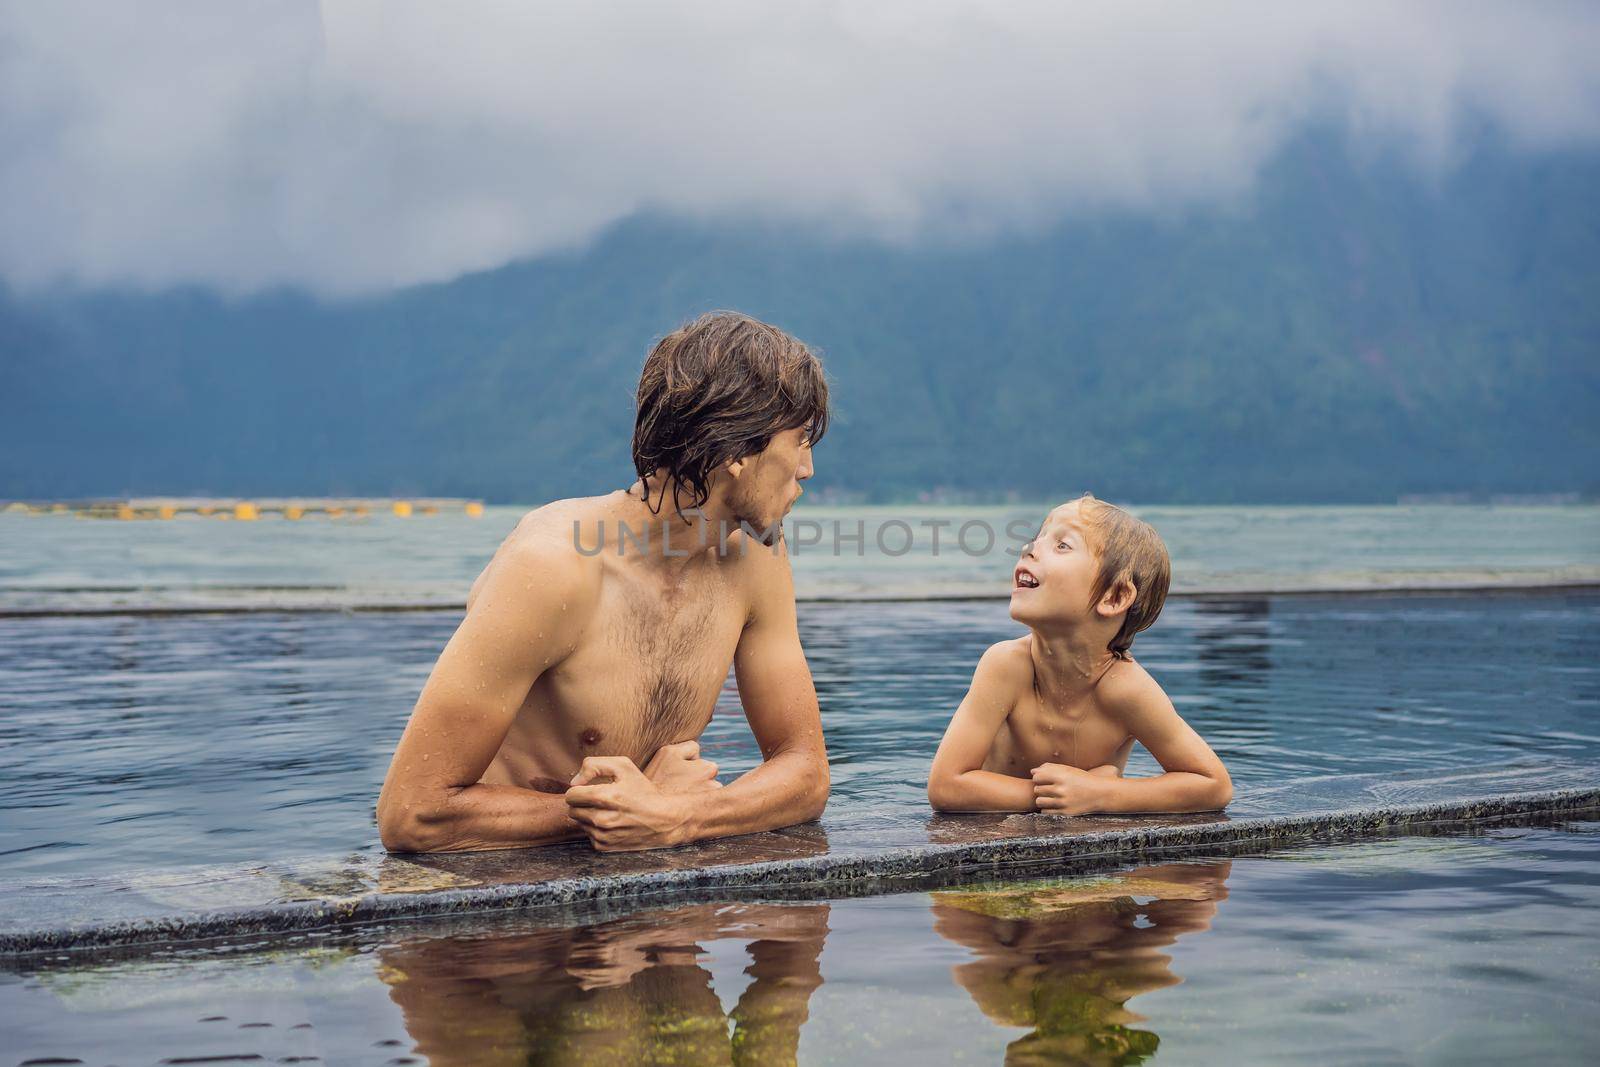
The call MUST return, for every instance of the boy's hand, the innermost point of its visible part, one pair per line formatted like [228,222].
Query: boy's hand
[1064,790]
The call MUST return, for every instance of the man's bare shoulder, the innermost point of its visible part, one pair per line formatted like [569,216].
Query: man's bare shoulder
[1127,691]
[543,551]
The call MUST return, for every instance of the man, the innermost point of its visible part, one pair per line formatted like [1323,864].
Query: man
[569,701]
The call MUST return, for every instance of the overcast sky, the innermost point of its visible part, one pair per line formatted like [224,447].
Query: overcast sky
[361,144]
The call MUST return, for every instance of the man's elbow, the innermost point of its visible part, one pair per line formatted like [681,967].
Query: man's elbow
[816,796]
[407,830]
[943,793]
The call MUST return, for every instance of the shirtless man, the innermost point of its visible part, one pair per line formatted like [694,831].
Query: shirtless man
[569,700]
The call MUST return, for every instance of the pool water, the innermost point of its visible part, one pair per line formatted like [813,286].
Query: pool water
[1478,947]
[136,742]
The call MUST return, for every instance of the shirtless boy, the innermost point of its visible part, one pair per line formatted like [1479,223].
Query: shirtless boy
[1051,716]
[568,703]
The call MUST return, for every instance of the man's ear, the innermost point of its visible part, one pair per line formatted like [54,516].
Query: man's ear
[1119,597]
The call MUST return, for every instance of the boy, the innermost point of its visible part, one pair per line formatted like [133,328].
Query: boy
[1051,716]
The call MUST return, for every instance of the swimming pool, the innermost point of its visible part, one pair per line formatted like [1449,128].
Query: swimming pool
[1475,947]
[136,742]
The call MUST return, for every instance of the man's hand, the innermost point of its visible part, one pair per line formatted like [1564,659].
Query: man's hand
[1062,790]
[679,769]
[621,810]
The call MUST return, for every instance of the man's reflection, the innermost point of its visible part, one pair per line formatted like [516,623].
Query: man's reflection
[1065,957]
[630,991]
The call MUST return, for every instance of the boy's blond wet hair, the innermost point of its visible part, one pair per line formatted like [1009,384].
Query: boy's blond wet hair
[1131,550]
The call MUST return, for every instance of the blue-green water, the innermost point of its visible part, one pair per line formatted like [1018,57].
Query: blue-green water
[133,742]
[1471,949]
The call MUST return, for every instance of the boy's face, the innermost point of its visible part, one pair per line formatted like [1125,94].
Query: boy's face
[1055,576]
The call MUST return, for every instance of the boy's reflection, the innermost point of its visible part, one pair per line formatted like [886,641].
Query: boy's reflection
[625,992]
[1064,957]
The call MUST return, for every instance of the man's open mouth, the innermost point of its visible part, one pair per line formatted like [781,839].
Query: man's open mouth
[1025,580]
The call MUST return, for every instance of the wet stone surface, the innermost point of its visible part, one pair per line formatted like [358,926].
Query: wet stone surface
[836,858]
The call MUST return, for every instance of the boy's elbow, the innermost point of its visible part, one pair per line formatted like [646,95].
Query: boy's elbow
[1222,793]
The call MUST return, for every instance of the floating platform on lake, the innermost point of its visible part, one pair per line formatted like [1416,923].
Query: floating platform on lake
[853,853]
[247,510]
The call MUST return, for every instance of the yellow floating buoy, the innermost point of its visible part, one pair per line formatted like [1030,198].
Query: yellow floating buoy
[475,509]
[245,511]
[293,511]
[334,513]
[402,508]
[166,511]
[204,509]
[124,511]
[360,511]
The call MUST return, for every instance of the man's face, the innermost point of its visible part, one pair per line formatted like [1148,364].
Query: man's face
[769,483]
[1055,576]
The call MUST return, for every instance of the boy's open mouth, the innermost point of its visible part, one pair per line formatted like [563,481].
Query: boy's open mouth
[1023,579]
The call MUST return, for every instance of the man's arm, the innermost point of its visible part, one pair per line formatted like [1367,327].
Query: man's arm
[791,784]
[1194,779]
[514,630]
[957,782]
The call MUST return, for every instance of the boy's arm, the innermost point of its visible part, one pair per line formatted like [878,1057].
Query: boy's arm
[957,782]
[1194,779]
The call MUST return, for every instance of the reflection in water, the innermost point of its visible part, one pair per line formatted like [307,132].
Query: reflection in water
[1065,957]
[632,991]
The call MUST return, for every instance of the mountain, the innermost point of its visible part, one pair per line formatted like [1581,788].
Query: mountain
[1351,331]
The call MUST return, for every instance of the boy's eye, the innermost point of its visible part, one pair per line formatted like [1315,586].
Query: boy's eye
[1062,544]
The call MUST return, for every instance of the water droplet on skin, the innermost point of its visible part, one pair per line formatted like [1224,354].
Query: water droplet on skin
[424,757]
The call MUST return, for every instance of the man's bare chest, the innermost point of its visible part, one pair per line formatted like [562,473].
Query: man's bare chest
[645,673]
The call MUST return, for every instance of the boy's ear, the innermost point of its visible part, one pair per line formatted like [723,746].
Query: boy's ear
[734,467]
[1118,598]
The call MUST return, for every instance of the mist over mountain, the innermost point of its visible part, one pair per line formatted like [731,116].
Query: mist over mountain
[1352,329]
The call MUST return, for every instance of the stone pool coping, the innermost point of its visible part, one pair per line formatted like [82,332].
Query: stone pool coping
[1512,585]
[163,909]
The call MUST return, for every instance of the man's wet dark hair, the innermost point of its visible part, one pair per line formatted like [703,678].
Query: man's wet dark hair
[717,390]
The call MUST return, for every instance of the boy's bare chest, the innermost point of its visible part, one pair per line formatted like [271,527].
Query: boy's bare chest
[1081,736]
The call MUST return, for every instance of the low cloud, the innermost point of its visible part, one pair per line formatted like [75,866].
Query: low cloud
[364,144]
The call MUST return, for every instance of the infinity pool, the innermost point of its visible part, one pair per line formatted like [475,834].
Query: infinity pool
[1473,948]
[137,742]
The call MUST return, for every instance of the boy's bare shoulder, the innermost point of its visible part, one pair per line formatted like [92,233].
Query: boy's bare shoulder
[1127,689]
[1008,662]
